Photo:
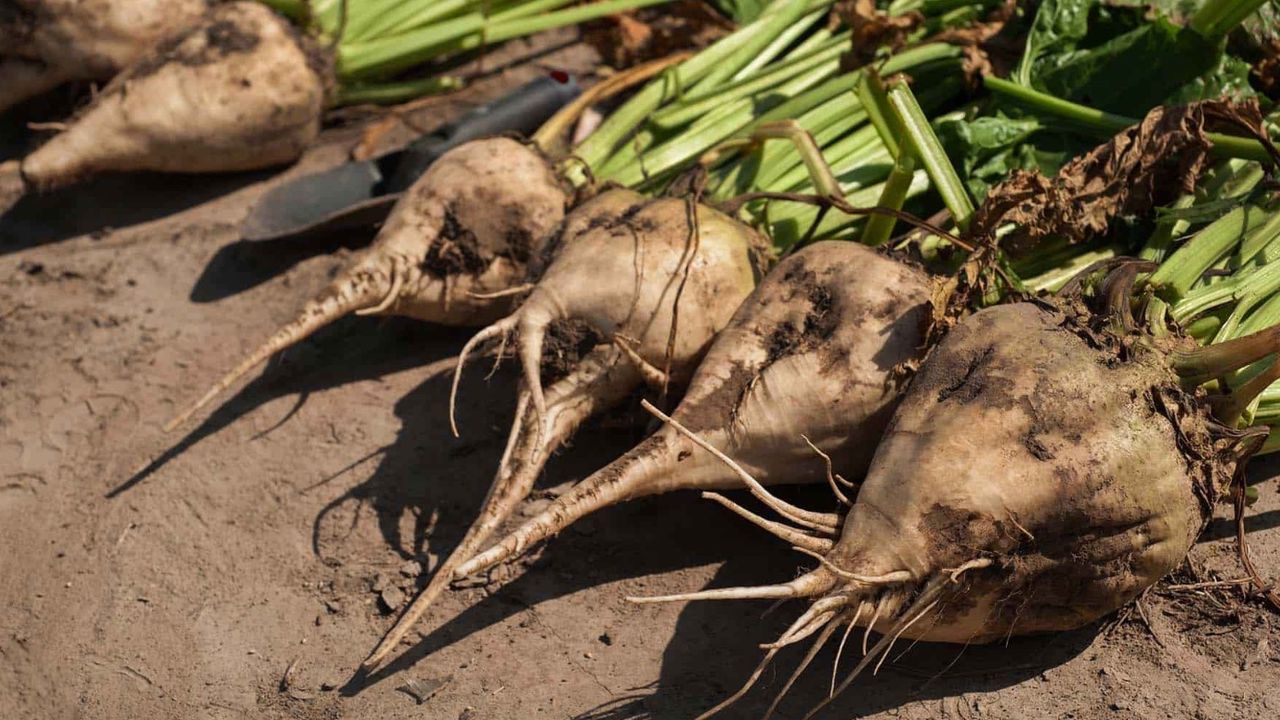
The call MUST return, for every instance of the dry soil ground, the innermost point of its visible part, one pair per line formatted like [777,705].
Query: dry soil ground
[273,535]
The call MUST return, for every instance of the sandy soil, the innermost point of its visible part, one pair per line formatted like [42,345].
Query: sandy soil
[274,535]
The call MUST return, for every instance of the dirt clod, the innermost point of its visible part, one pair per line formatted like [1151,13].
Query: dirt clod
[391,599]
[424,690]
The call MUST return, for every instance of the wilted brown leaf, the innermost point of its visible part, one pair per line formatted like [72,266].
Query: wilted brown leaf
[1266,72]
[874,29]
[990,47]
[986,45]
[630,38]
[1143,166]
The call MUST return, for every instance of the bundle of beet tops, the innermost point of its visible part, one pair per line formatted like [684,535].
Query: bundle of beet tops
[1026,402]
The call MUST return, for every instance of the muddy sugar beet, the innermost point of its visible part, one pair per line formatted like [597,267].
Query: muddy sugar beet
[459,245]
[1038,474]
[1022,444]
[44,43]
[808,357]
[459,237]
[630,291]
[240,90]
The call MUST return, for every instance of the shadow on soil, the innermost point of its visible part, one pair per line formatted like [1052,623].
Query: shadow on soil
[924,673]
[244,265]
[419,472]
[350,350]
[426,470]
[111,202]
[422,472]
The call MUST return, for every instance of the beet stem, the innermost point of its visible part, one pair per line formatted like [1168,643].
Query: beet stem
[1181,270]
[1199,366]
[545,137]
[1232,406]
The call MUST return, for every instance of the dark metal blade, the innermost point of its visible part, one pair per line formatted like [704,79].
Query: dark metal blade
[360,194]
[300,206]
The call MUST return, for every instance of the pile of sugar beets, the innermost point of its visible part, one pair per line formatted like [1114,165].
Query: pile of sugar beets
[1023,461]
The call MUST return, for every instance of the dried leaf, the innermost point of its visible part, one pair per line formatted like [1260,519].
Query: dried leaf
[630,38]
[1266,72]
[1141,167]
[874,29]
[992,46]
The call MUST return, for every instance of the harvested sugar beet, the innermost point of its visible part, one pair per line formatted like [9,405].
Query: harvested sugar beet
[633,291]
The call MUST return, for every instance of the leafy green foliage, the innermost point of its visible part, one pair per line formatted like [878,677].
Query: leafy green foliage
[1230,76]
[1170,8]
[1058,27]
[1169,57]
[1112,58]
[988,147]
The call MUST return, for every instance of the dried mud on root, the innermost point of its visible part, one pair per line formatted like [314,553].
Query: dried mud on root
[222,39]
[456,251]
[820,322]
[567,342]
